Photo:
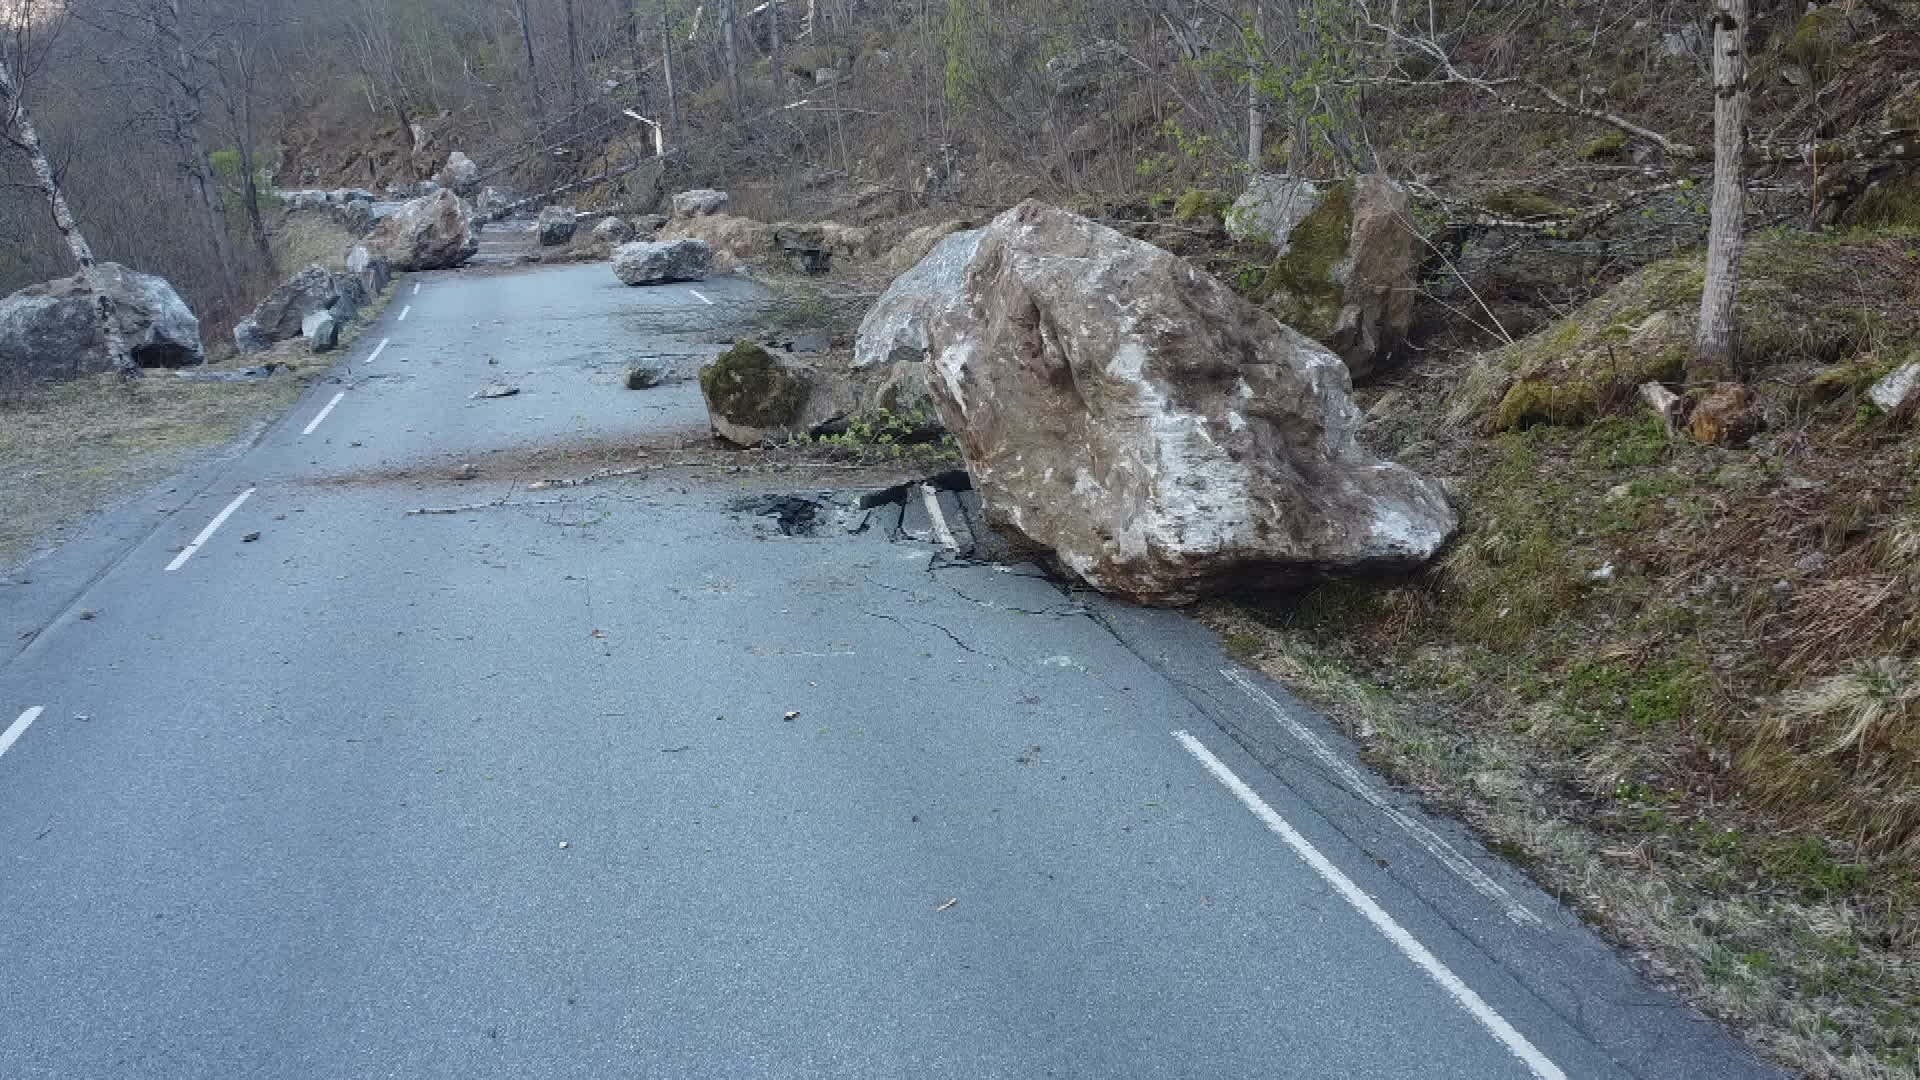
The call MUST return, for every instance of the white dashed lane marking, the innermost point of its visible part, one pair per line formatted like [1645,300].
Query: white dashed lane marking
[206,534]
[18,728]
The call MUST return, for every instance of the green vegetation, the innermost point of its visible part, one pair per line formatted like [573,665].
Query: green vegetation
[1300,288]
[1202,204]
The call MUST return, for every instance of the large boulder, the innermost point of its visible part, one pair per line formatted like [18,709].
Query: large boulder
[459,175]
[757,398]
[1375,278]
[52,331]
[1163,436]
[556,225]
[657,263]
[1343,271]
[895,328]
[613,231]
[281,314]
[915,246]
[433,232]
[700,202]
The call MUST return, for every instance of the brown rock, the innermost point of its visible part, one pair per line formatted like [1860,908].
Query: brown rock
[1724,415]
[1164,437]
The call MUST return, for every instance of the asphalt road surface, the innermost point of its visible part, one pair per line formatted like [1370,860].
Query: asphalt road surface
[622,781]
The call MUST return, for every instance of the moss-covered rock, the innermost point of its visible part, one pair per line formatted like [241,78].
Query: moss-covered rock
[747,386]
[1894,202]
[1300,287]
[1202,204]
[1805,302]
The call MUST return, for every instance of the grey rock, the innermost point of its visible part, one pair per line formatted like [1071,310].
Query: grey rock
[459,174]
[52,331]
[656,263]
[1376,278]
[895,328]
[648,226]
[613,231]
[700,202]
[322,331]
[435,232]
[281,314]
[495,390]
[1162,436]
[1273,206]
[556,225]
[1899,391]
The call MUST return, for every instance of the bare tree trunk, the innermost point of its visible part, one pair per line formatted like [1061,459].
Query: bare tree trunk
[573,57]
[730,52]
[187,114]
[22,134]
[666,64]
[533,71]
[1256,108]
[1715,347]
[779,52]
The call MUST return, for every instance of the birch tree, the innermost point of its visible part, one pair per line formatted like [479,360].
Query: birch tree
[19,131]
[1714,348]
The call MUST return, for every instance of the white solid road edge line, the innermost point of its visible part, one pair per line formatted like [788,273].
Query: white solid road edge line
[1351,779]
[701,296]
[323,413]
[404,312]
[1529,1055]
[18,728]
[206,534]
[377,350]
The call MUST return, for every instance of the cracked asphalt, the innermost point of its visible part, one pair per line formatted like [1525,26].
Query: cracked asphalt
[622,781]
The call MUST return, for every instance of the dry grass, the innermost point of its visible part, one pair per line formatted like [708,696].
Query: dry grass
[1681,683]
[70,450]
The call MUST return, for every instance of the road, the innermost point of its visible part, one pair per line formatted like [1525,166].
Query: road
[621,781]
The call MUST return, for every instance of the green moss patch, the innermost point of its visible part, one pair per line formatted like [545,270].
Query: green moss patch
[1299,288]
[1202,204]
[748,386]
[1805,302]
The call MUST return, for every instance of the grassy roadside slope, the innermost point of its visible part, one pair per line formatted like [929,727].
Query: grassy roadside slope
[1680,682]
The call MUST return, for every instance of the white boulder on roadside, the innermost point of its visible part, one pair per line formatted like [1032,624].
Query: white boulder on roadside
[660,262]
[1165,438]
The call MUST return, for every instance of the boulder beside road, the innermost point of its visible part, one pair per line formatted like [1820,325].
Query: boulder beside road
[433,232]
[51,331]
[1165,438]
[700,202]
[661,262]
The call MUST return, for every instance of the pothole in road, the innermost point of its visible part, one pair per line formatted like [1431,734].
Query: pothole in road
[940,511]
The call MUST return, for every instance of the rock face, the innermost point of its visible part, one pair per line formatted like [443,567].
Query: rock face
[662,262]
[612,231]
[1164,437]
[755,398]
[52,331]
[700,202]
[914,246]
[895,328]
[1272,207]
[434,232]
[459,174]
[557,225]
